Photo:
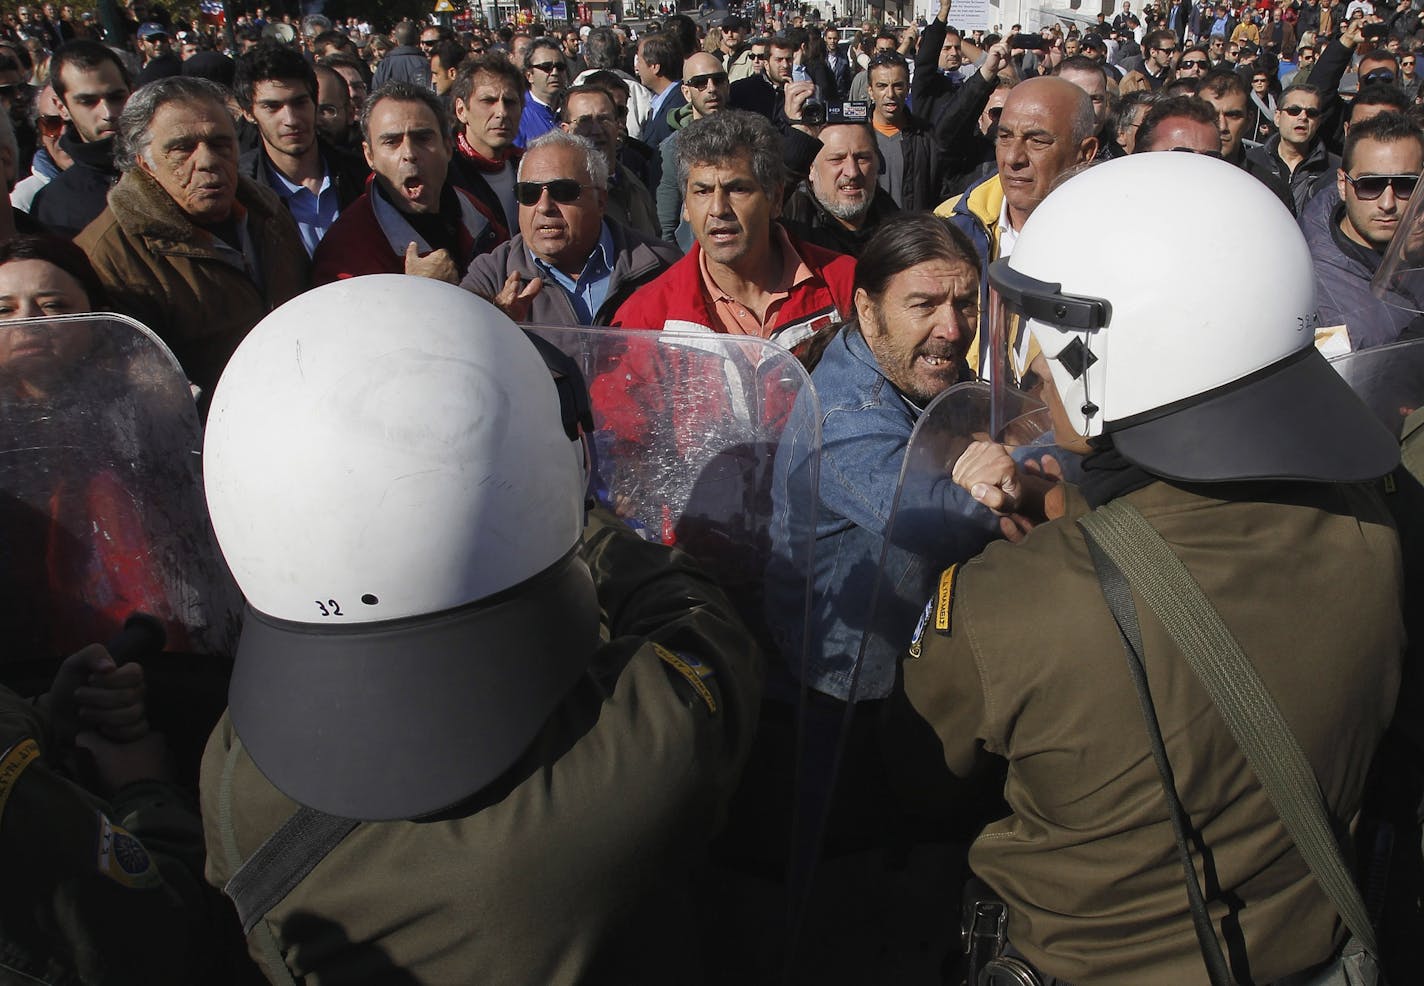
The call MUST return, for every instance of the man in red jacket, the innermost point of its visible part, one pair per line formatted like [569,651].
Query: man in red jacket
[745,275]
[411,219]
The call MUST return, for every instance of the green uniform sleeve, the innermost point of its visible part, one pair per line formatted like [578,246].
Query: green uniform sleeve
[110,893]
[654,593]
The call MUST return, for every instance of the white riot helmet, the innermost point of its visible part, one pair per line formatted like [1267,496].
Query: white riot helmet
[1195,376]
[397,495]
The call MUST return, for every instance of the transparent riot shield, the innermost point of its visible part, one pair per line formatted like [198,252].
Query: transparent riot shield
[1389,379]
[712,443]
[1399,281]
[929,523]
[692,431]
[103,512]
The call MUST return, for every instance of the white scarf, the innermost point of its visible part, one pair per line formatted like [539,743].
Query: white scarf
[400,233]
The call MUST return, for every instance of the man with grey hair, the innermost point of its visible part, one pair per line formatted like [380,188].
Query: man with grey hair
[185,245]
[569,264]
[840,203]
[411,219]
[1046,129]
[745,275]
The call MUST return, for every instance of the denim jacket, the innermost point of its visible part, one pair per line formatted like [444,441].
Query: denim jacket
[865,428]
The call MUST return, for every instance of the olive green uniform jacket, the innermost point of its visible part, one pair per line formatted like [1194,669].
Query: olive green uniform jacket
[1030,667]
[196,294]
[572,868]
[94,892]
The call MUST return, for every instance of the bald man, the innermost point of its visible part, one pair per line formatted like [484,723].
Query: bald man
[1046,129]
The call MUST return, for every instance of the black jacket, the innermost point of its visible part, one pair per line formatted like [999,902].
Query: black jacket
[1310,176]
[755,94]
[75,197]
[808,220]
[931,90]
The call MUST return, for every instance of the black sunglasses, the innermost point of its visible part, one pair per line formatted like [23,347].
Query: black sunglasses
[564,190]
[1370,187]
[1311,112]
[893,58]
[1377,75]
[759,56]
[1192,63]
[700,81]
[549,68]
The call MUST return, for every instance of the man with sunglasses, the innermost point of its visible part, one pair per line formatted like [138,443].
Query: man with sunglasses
[160,61]
[92,85]
[1295,153]
[411,219]
[1227,93]
[761,91]
[547,74]
[1160,52]
[1194,63]
[1408,74]
[1379,173]
[1376,66]
[569,264]
[707,90]
[49,159]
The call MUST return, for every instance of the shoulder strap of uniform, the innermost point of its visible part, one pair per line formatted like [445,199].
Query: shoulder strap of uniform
[1248,709]
[261,883]
[283,861]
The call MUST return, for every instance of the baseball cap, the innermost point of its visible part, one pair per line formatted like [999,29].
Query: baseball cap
[151,30]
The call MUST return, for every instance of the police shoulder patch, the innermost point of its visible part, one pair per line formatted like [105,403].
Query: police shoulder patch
[697,675]
[12,764]
[944,600]
[123,859]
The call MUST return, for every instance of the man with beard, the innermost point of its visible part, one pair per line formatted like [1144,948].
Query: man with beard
[916,307]
[277,90]
[411,220]
[841,204]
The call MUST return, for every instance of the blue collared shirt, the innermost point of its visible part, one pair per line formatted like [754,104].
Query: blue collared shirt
[314,214]
[590,291]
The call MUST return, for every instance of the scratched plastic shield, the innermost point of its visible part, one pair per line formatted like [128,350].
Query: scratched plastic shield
[1389,379]
[689,430]
[101,506]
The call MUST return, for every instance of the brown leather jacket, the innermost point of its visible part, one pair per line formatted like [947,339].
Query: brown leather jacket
[194,292]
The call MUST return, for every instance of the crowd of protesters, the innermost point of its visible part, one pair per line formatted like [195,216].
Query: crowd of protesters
[734,175]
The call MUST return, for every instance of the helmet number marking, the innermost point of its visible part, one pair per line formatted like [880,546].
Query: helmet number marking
[329,608]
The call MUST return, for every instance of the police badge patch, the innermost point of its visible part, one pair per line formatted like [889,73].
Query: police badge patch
[123,859]
[916,642]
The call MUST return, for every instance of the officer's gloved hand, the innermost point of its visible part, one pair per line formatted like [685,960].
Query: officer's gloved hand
[91,692]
